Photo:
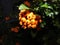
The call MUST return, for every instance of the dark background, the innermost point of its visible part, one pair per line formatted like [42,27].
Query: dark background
[46,36]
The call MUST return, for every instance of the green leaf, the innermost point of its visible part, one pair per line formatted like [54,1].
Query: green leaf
[50,7]
[36,9]
[22,6]
[46,6]
[49,14]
